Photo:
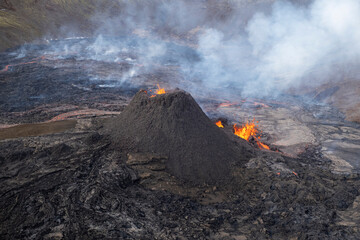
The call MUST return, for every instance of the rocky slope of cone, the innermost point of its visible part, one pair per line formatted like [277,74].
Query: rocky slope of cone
[174,125]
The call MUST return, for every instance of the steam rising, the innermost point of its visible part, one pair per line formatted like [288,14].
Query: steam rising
[291,47]
[259,48]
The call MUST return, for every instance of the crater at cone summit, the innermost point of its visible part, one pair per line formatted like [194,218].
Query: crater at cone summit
[174,125]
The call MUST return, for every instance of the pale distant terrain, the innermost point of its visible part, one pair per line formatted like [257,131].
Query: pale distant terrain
[25,21]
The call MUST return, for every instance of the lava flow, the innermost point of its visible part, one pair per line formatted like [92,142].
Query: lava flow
[6,68]
[226,104]
[219,124]
[159,91]
[248,130]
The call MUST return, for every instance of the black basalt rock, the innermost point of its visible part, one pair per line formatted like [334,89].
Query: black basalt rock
[174,125]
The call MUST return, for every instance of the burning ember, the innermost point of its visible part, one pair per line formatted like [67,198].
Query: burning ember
[219,124]
[159,91]
[248,130]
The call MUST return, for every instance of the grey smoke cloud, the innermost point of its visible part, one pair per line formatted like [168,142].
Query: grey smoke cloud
[292,46]
[260,48]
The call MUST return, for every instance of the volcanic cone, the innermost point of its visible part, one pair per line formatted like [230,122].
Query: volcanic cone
[174,125]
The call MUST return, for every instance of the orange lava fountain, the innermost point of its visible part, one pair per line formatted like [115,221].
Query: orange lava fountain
[248,130]
[159,91]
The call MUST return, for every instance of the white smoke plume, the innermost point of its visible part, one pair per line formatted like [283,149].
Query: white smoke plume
[292,46]
[260,47]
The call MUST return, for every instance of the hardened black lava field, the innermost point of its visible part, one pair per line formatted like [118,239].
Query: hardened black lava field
[89,150]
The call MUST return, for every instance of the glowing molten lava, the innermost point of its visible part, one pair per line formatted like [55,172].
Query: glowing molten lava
[219,124]
[6,68]
[248,130]
[159,91]
[226,104]
[262,146]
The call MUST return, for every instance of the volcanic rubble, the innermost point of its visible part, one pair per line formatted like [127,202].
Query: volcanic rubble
[163,170]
